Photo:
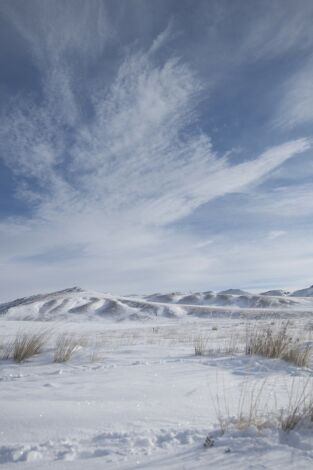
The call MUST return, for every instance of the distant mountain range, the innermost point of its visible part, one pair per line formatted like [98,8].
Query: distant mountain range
[78,304]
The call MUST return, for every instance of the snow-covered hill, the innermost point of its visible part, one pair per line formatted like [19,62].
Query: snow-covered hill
[76,304]
[276,293]
[134,395]
[303,292]
[239,299]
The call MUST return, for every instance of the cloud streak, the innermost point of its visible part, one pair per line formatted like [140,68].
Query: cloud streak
[107,177]
[138,156]
[296,106]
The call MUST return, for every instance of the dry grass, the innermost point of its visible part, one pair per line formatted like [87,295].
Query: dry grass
[301,357]
[277,343]
[248,410]
[200,345]
[66,345]
[27,345]
[300,406]
[24,346]
[257,407]
[6,350]
[268,342]
[231,345]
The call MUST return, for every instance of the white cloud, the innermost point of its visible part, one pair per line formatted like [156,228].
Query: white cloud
[55,29]
[114,182]
[281,27]
[163,38]
[138,157]
[242,32]
[296,106]
[290,201]
[276,234]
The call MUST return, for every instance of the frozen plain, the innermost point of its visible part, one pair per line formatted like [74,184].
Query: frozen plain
[134,395]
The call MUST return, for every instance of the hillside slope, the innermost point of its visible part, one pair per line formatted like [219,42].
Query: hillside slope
[76,304]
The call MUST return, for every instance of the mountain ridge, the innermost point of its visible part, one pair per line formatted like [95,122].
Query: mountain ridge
[78,304]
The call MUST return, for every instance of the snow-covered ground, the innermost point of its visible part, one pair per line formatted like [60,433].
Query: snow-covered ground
[135,396]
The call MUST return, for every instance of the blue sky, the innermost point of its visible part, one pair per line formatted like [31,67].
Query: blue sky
[155,146]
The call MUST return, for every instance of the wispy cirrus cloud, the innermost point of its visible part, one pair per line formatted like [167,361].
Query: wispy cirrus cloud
[54,30]
[296,106]
[294,201]
[277,31]
[108,167]
[138,155]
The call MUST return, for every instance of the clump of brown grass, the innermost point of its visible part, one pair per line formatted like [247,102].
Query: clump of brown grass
[301,357]
[24,346]
[257,407]
[66,345]
[277,343]
[267,341]
[200,345]
[300,406]
[248,410]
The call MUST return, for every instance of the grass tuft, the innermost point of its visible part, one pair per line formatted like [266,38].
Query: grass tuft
[300,406]
[66,345]
[257,407]
[24,346]
[277,343]
[200,345]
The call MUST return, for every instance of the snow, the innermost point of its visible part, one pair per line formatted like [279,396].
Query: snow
[303,292]
[234,292]
[134,395]
[80,305]
[276,293]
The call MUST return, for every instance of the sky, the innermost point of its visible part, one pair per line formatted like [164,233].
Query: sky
[155,145]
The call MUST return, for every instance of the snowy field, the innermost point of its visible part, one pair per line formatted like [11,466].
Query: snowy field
[134,395]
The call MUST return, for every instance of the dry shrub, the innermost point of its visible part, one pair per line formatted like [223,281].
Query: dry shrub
[66,345]
[277,343]
[200,345]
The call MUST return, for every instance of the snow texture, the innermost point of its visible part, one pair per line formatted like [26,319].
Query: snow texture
[135,396]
